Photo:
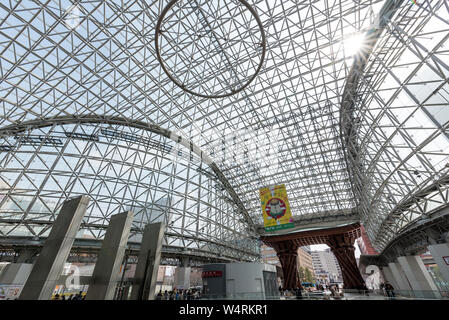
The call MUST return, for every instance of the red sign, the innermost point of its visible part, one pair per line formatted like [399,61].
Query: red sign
[212,274]
[276,208]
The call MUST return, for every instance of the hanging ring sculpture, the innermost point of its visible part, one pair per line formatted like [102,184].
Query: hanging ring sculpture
[236,37]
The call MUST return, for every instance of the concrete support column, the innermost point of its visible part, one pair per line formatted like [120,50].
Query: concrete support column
[148,264]
[440,253]
[185,261]
[388,276]
[106,273]
[182,277]
[16,273]
[50,263]
[400,278]
[418,276]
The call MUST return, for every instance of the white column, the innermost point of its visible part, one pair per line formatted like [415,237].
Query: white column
[418,276]
[400,278]
[148,262]
[49,265]
[14,276]
[106,272]
[182,277]
[16,273]
[440,253]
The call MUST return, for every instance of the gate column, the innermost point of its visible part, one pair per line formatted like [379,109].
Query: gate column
[287,252]
[342,247]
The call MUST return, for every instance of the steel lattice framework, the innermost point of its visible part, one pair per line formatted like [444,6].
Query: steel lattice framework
[345,130]
[398,141]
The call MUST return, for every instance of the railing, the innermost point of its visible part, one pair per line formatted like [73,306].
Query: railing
[379,294]
[240,296]
[346,294]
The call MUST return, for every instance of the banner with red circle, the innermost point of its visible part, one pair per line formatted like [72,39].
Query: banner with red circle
[275,208]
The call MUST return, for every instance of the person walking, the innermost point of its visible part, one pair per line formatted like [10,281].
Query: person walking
[382,287]
[298,292]
[389,289]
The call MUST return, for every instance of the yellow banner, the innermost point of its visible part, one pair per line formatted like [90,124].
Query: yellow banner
[275,208]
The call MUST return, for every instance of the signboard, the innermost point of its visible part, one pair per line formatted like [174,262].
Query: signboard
[10,292]
[212,274]
[275,208]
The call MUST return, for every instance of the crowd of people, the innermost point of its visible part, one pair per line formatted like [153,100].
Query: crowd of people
[291,292]
[298,291]
[78,296]
[190,294]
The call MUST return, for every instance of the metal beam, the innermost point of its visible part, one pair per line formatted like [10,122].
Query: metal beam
[14,129]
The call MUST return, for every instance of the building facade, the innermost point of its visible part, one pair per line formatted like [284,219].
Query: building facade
[326,267]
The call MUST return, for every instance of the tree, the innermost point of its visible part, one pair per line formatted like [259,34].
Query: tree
[302,275]
[308,275]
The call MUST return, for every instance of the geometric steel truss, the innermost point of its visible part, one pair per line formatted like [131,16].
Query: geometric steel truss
[120,168]
[398,126]
[292,124]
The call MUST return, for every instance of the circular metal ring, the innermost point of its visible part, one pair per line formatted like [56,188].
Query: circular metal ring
[159,58]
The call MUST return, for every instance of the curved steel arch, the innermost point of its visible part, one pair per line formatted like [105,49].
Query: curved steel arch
[349,94]
[48,122]
[420,199]
[348,134]
[393,218]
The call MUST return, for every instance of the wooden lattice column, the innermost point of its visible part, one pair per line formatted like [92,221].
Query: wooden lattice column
[342,247]
[287,252]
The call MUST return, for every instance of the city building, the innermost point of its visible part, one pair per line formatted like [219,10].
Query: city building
[304,258]
[326,267]
[268,255]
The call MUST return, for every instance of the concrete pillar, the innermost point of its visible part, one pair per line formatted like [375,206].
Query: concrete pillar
[185,261]
[50,263]
[388,276]
[418,276]
[401,280]
[182,277]
[14,276]
[148,262]
[106,272]
[440,253]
